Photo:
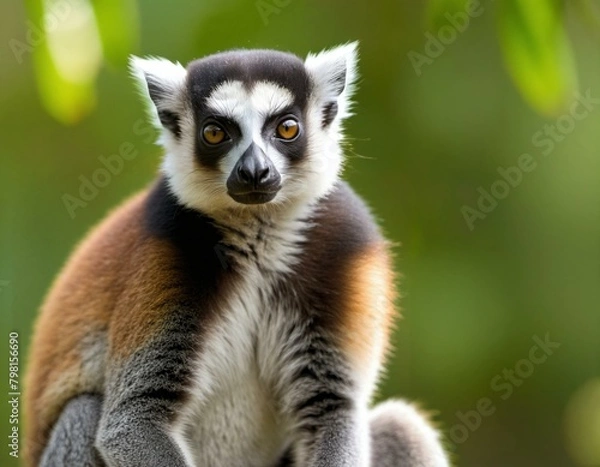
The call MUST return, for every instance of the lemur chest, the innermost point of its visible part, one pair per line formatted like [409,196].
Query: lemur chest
[234,417]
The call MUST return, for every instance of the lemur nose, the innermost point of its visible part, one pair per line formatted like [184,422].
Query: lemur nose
[254,179]
[254,171]
[263,174]
[244,174]
[250,176]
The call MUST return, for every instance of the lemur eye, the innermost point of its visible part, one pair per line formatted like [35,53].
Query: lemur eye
[213,134]
[288,129]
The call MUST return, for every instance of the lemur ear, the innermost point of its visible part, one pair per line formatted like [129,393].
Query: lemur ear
[163,82]
[333,73]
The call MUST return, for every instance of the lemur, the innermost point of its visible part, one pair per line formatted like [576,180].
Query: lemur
[237,312]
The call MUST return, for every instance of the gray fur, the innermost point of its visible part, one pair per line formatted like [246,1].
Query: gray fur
[72,440]
[247,367]
[142,399]
[134,442]
[393,441]
[401,437]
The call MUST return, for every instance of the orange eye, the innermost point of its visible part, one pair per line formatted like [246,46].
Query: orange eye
[213,134]
[288,129]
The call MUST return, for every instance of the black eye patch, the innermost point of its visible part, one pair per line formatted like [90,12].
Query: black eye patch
[273,120]
[293,149]
[209,155]
[249,67]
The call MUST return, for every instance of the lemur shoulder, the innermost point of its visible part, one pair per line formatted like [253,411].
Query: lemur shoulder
[238,311]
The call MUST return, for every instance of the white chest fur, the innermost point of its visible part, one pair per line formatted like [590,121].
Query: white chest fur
[233,417]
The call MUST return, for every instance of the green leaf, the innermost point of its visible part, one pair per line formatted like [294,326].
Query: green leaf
[537,52]
[118,27]
[68,102]
[66,58]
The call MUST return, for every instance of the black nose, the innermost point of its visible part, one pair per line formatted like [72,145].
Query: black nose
[252,172]
[254,179]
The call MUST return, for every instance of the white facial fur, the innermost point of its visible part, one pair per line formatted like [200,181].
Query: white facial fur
[302,183]
[249,108]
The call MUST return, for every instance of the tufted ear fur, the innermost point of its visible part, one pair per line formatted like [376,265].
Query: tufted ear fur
[333,73]
[162,84]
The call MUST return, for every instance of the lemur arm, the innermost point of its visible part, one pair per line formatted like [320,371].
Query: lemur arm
[345,318]
[134,427]
[144,394]
[331,426]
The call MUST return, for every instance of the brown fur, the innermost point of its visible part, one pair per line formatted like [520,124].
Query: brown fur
[88,315]
[369,306]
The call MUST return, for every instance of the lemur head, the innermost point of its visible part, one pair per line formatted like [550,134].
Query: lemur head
[250,129]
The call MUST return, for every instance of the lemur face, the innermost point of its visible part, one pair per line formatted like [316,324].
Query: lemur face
[251,129]
[250,115]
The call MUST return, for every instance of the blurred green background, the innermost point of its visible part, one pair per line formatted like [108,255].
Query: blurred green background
[479,289]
